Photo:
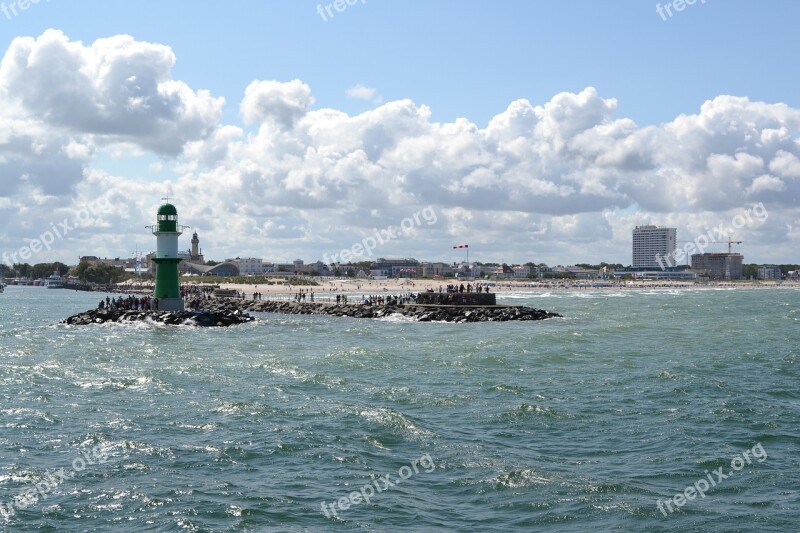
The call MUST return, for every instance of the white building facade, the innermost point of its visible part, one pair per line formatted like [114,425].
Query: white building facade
[654,247]
[770,272]
[249,266]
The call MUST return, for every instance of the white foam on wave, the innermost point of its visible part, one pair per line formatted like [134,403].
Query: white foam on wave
[522,295]
[397,317]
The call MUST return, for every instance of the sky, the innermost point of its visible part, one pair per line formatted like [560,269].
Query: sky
[531,130]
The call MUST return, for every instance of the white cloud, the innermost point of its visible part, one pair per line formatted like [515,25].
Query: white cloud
[116,90]
[766,183]
[360,92]
[281,103]
[560,181]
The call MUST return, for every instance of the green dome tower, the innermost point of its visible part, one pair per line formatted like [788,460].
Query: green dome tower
[167,231]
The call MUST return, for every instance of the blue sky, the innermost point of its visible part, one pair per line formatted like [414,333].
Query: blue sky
[454,59]
[462,58]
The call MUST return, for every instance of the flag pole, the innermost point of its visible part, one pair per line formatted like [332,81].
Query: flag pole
[468,265]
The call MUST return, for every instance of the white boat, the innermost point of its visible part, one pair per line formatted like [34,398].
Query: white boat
[55,281]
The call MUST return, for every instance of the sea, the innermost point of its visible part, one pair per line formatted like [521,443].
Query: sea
[639,410]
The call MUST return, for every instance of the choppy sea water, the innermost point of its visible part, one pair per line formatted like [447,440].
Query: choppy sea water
[574,424]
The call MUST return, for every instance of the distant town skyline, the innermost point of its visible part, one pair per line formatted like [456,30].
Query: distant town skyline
[282,134]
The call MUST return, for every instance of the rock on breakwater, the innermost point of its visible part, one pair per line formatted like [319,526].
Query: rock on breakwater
[221,318]
[423,313]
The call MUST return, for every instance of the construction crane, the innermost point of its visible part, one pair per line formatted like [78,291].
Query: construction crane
[728,260]
[686,254]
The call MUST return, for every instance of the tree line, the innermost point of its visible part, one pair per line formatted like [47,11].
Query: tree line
[86,272]
[39,270]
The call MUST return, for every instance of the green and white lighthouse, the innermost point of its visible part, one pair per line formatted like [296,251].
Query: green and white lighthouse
[167,231]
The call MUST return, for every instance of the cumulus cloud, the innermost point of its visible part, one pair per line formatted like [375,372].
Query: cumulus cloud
[360,92]
[560,180]
[117,90]
[34,159]
[281,103]
[560,168]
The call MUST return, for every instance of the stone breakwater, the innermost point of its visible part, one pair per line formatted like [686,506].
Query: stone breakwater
[423,313]
[222,318]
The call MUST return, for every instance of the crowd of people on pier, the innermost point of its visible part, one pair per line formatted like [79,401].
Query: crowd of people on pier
[131,302]
[461,288]
[194,299]
[202,291]
[390,299]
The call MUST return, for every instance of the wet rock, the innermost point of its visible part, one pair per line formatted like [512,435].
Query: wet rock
[219,318]
[423,313]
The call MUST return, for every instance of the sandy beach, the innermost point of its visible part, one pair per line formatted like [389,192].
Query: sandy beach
[400,286]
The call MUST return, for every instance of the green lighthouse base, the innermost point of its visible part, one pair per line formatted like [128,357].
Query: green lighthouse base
[167,288]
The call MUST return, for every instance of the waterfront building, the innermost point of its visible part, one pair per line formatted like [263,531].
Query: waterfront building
[504,272]
[430,270]
[299,267]
[653,246]
[394,268]
[228,268]
[770,272]
[719,266]
[249,266]
[522,271]
[319,268]
[283,267]
[582,273]
[126,263]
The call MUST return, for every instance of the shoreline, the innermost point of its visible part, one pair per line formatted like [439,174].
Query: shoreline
[329,288]
[332,287]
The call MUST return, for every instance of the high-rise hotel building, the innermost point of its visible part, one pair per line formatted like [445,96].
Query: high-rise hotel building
[654,247]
